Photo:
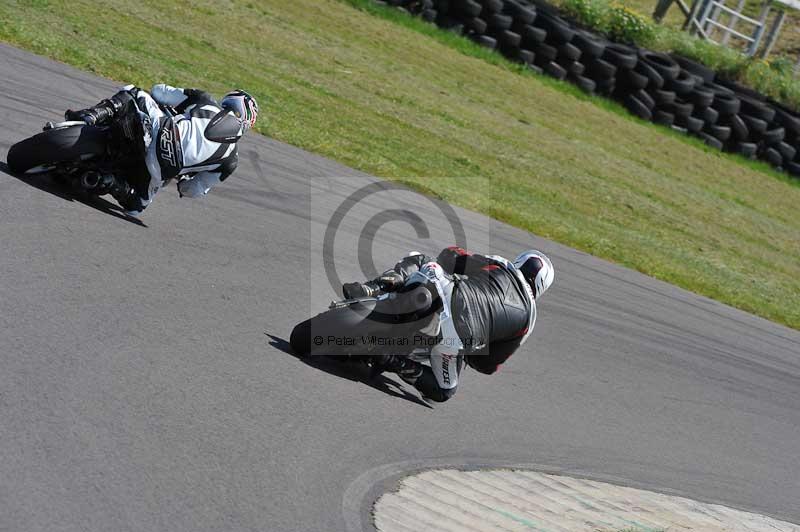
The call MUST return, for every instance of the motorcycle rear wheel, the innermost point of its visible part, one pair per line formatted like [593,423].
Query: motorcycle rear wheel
[324,334]
[46,150]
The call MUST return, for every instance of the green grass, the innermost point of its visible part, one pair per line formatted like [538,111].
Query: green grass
[397,98]
[788,43]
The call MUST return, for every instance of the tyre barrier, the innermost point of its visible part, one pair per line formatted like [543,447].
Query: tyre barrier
[667,89]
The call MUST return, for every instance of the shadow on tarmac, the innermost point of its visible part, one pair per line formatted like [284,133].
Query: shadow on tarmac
[45,183]
[351,371]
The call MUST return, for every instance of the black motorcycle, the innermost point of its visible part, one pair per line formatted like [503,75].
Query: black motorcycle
[75,153]
[359,330]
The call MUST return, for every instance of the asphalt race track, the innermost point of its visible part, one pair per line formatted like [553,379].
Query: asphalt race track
[145,382]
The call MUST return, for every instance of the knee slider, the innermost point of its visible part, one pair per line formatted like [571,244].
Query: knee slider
[442,395]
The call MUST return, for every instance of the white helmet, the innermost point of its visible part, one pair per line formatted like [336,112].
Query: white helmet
[243,106]
[537,270]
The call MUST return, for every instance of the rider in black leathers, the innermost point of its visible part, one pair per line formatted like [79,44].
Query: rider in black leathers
[493,308]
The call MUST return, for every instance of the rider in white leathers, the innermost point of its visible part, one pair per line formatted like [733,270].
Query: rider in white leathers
[196,144]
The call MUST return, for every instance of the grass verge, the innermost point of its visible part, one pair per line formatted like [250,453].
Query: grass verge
[774,78]
[787,45]
[398,98]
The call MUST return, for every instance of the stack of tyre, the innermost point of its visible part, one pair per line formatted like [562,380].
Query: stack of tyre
[677,92]
[668,90]
[528,32]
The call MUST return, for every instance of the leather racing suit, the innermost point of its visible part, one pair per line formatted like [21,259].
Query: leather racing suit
[492,309]
[196,145]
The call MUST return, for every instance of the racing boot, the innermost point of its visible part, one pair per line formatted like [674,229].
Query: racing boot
[358,290]
[388,282]
[101,113]
[100,184]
